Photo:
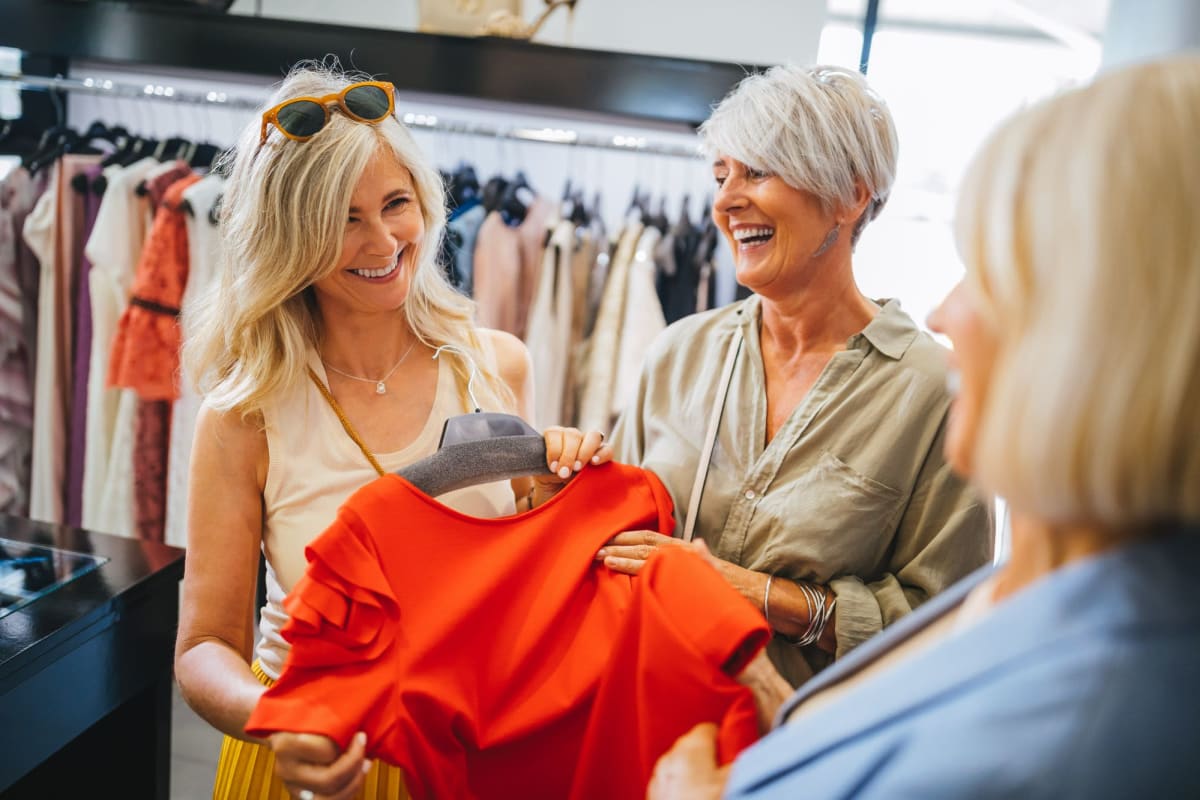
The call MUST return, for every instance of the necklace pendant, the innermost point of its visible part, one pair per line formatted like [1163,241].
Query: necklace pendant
[380,388]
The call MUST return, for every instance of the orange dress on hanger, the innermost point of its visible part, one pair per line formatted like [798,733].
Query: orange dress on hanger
[495,658]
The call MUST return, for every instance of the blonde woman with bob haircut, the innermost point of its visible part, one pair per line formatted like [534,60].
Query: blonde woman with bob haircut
[800,431]
[1069,671]
[314,351]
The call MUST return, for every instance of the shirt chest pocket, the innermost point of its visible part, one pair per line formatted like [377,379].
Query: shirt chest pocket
[828,520]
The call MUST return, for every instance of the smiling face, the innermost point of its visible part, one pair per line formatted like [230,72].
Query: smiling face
[384,230]
[775,230]
[971,366]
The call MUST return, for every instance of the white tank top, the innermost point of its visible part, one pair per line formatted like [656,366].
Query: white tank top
[315,466]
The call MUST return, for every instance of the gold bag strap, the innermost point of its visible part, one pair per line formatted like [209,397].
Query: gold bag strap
[341,415]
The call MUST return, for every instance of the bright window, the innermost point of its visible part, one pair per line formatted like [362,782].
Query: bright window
[948,83]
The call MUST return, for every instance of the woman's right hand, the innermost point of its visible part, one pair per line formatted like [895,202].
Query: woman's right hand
[306,762]
[627,551]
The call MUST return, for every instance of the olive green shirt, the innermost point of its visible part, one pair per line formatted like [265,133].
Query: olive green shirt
[852,492]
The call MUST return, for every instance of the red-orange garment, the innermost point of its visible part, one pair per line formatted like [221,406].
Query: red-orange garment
[145,350]
[472,652]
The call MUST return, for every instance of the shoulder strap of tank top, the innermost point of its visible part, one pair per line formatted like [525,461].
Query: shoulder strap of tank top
[710,437]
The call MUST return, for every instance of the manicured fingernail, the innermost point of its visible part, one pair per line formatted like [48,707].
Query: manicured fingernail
[366,767]
[554,466]
[360,738]
[565,472]
[600,554]
[578,466]
[595,459]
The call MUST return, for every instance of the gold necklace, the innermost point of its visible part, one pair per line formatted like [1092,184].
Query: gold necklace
[381,384]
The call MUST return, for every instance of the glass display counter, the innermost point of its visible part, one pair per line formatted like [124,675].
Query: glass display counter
[87,634]
[30,571]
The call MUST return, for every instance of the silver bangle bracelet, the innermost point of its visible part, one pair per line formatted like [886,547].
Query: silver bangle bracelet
[819,618]
[767,600]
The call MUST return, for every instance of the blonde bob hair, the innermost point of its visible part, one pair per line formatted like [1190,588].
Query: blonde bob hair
[821,129]
[282,221]
[1077,222]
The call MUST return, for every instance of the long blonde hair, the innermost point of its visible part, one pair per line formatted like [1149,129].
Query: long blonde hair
[282,221]
[1077,222]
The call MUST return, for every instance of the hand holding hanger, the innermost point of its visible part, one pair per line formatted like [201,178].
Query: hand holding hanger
[486,446]
[568,450]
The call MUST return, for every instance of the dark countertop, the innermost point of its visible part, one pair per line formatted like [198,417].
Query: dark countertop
[134,568]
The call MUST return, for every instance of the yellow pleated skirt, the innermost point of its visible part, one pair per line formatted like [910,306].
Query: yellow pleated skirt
[246,771]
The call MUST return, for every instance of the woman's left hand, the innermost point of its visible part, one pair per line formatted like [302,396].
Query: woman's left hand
[689,771]
[568,450]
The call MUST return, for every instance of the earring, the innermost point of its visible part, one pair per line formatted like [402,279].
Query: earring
[830,238]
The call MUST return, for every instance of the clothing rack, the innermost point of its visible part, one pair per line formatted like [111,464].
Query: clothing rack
[166,92]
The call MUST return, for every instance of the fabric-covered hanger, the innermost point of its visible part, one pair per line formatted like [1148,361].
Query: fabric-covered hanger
[202,155]
[464,184]
[478,447]
[517,198]
[51,138]
[127,143]
[97,130]
[45,152]
[493,192]
[658,219]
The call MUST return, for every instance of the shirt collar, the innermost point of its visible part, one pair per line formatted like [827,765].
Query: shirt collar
[891,332]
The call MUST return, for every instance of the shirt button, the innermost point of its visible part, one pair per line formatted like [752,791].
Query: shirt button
[750,495]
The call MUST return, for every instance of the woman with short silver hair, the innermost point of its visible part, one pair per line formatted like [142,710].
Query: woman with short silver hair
[1070,670]
[800,431]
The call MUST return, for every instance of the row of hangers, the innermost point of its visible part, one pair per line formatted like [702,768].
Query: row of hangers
[512,196]
[60,139]
[129,148]
[509,196]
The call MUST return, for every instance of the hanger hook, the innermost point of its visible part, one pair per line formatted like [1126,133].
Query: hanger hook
[474,370]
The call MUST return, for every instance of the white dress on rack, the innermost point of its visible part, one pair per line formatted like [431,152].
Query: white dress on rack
[550,318]
[204,254]
[114,248]
[596,396]
[642,321]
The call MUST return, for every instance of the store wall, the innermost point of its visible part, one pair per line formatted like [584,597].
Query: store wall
[749,31]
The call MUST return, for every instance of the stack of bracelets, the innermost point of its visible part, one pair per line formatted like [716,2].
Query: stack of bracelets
[819,612]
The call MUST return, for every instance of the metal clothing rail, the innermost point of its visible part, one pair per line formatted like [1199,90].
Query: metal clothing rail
[564,136]
[142,91]
[166,92]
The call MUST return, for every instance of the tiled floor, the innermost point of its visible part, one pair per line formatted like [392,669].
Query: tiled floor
[194,749]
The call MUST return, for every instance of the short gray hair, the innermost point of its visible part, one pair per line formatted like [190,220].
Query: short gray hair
[821,129]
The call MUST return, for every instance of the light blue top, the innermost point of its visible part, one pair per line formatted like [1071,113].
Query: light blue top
[1085,684]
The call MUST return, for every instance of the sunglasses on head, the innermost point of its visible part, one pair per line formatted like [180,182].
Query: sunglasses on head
[301,118]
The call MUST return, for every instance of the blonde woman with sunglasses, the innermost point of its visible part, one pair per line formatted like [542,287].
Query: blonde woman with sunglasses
[314,351]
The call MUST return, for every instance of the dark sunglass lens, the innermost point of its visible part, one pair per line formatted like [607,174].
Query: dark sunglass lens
[302,118]
[367,102]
